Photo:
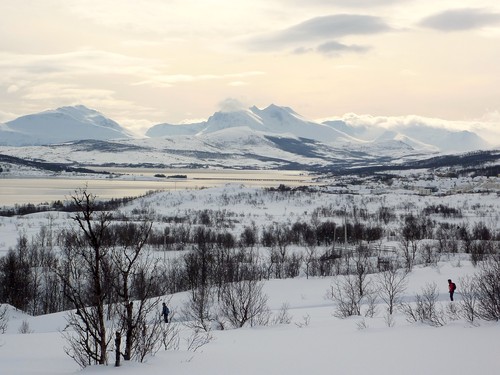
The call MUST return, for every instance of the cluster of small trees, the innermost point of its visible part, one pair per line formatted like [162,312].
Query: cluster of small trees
[355,294]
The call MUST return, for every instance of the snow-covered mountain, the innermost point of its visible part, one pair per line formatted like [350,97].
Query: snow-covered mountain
[273,137]
[60,125]
[272,120]
[417,134]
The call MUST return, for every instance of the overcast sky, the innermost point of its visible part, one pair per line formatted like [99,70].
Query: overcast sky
[152,61]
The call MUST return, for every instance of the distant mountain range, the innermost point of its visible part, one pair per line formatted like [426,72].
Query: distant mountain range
[273,137]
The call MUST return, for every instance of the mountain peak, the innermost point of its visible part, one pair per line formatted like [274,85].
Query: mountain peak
[64,124]
[274,107]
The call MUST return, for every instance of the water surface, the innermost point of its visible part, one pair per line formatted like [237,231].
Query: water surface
[136,181]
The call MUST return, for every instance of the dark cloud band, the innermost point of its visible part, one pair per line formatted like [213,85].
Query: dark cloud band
[320,29]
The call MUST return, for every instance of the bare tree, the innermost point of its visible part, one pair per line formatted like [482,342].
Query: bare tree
[85,255]
[310,259]
[136,279]
[345,292]
[113,284]
[411,232]
[200,309]
[361,268]
[391,285]
[243,302]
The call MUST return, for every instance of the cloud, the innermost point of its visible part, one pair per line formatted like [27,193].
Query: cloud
[486,127]
[320,29]
[334,48]
[231,105]
[66,92]
[461,19]
[349,3]
[168,80]
[84,62]
[12,88]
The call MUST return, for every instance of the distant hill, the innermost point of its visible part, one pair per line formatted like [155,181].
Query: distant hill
[60,125]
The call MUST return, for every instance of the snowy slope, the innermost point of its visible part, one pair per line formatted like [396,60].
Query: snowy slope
[391,136]
[60,125]
[161,130]
[282,120]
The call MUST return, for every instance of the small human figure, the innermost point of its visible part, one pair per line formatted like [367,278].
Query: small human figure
[451,288]
[165,311]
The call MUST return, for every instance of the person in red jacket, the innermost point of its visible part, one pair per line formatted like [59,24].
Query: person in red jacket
[451,288]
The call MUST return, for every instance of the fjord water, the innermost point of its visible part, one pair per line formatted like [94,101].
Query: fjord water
[129,182]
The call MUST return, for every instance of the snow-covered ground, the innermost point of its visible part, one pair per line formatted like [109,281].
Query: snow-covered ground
[315,341]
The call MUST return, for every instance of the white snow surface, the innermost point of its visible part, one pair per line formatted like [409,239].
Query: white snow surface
[315,342]
[326,345]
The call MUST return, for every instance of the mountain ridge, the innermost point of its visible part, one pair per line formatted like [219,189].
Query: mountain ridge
[272,137]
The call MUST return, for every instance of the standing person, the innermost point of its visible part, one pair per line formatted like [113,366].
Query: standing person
[451,288]
[165,311]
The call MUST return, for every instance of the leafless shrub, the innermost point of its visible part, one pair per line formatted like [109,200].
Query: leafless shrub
[425,309]
[24,328]
[345,293]
[469,298]
[306,319]
[453,311]
[371,303]
[170,336]
[148,338]
[362,324]
[4,319]
[198,339]
[488,287]
[283,316]
[389,320]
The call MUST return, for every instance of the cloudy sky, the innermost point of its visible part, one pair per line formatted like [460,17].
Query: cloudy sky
[152,61]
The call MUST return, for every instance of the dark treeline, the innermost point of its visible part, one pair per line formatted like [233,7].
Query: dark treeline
[217,250]
[66,206]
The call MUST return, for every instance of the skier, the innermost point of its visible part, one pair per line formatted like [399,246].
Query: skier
[165,311]
[451,288]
